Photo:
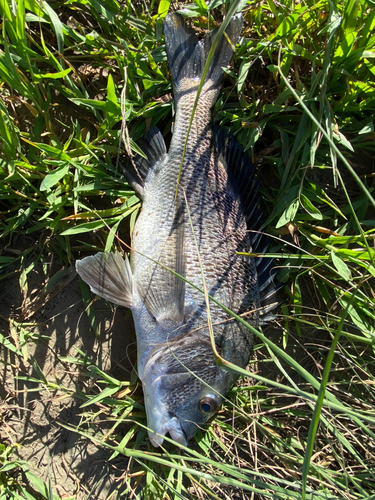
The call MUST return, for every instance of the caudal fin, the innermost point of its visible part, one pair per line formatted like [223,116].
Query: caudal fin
[187,55]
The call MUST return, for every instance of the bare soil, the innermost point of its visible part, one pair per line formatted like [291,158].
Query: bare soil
[31,418]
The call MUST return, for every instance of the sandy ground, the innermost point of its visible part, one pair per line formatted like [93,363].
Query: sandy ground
[31,418]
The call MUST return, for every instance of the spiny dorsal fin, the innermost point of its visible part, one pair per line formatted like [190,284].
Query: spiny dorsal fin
[109,276]
[242,173]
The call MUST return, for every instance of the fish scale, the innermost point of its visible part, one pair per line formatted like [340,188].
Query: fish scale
[177,238]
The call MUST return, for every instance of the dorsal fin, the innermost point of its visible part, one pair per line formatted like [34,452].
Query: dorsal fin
[242,173]
[153,146]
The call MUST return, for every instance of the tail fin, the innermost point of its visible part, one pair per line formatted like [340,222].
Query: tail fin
[187,55]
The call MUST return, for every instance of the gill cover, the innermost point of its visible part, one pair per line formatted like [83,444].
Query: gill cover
[182,385]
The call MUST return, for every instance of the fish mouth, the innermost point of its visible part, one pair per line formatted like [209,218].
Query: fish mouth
[173,427]
[160,420]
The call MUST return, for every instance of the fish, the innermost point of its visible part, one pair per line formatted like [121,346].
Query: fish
[199,200]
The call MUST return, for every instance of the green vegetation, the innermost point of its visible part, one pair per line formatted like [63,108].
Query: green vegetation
[300,97]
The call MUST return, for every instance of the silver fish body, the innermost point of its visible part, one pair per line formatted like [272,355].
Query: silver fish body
[195,233]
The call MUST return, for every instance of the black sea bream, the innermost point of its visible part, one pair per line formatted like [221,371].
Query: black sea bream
[198,231]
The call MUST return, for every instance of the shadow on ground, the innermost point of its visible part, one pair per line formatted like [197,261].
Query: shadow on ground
[30,416]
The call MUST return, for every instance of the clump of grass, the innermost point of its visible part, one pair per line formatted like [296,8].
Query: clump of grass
[17,481]
[300,98]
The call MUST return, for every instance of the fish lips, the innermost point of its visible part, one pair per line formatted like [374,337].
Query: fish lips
[161,421]
[171,426]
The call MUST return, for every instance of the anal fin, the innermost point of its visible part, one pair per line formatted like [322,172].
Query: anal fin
[153,147]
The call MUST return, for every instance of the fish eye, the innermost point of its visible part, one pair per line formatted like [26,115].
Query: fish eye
[208,404]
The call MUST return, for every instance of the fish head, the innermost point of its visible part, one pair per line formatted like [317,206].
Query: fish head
[183,388]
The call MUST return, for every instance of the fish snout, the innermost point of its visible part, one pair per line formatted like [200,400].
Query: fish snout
[173,427]
[160,420]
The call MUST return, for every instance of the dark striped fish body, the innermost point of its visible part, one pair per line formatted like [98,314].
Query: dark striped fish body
[186,240]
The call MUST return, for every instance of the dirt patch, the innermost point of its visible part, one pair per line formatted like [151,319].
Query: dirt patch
[31,412]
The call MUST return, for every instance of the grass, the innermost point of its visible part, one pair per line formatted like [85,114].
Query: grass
[300,98]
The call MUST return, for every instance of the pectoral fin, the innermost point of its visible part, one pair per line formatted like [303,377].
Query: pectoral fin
[164,296]
[109,276]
